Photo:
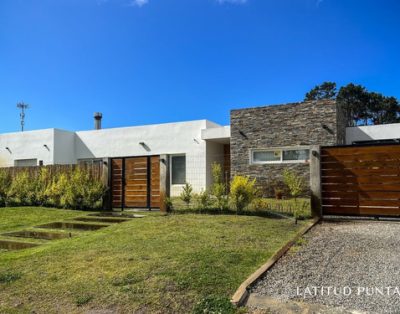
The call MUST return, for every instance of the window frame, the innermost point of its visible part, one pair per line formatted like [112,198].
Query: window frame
[170,169]
[281,161]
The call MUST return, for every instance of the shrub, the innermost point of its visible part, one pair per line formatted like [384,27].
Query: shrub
[242,192]
[4,186]
[260,204]
[73,188]
[218,189]
[57,189]
[22,190]
[204,200]
[294,182]
[81,191]
[169,204]
[214,305]
[187,193]
[43,181]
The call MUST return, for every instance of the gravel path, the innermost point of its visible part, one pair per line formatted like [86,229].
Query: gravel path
[361,259]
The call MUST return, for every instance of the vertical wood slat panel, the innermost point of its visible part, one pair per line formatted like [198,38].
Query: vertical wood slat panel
[116,182]
[136,195]
[155,198]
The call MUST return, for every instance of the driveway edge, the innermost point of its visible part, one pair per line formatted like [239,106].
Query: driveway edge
[239,298]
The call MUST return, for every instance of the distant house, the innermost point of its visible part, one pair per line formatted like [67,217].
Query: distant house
[144,160]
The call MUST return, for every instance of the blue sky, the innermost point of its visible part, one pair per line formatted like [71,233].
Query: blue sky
[155,61]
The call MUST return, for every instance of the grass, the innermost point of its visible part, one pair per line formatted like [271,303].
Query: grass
[156,264]
[17,218]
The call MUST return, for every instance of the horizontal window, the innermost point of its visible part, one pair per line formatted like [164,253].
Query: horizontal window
[25,163]
[273,156]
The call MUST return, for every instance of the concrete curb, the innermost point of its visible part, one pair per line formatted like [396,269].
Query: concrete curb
[240,296]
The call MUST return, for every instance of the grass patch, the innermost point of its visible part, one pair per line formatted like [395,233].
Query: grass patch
[84,299]
[157,264]
[17,218]
[9,277]
[214,305]
[300,207]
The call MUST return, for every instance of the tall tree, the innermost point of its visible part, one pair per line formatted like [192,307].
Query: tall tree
[353,100]
[359,106]
[326,90]
[390,111]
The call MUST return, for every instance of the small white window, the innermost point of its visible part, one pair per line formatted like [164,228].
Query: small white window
[266,156]
[296,155]
[178,169]
[280,155]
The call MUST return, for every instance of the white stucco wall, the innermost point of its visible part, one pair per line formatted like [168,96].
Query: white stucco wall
[64,147]
[170,138]
[372,132]
[27,145]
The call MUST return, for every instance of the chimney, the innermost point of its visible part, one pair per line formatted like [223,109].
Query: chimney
[97,120]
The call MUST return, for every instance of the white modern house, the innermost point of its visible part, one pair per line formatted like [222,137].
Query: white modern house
[191,147]
[146,163]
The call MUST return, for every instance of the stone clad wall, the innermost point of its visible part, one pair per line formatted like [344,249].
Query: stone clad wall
[289,125]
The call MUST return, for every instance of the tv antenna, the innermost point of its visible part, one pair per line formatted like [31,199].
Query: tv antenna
[22,106]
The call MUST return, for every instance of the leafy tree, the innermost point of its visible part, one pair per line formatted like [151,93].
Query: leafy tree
[326,90]
[387,110]
[353,100]
[359,106]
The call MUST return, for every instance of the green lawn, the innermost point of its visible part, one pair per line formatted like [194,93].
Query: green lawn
[156,264]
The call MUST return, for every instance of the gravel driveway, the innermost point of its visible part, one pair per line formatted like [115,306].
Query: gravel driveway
[351,264]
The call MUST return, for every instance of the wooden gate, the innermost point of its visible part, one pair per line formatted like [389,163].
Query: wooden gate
[361,180]
[135,182]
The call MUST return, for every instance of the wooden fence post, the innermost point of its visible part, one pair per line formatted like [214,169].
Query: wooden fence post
[315,181]
[106,179]
[164,181]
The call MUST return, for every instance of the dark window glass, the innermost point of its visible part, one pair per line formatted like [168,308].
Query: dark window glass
[178,169]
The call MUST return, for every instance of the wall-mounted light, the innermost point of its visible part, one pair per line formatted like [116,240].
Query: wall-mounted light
[327,128]
[145,146]
[195,140]
[243,134]
[47,147]
[9,150]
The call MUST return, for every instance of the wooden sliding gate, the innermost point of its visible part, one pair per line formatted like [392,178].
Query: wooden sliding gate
[135,182]
[361,180]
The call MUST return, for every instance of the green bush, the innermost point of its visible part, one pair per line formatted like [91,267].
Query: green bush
[4,186]
[187,194]
[259,204]
[243,191]
[218,189]
[22,190]
[294,182]
[73,188]
[43,181]
[204,200]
